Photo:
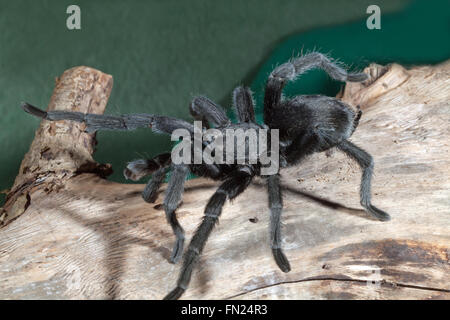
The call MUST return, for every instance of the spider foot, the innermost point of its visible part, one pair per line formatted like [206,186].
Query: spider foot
[177,250]
[281,260]
[285,71]
[377,213]
[136,170]
[175,294]
[150,198]
[34,111]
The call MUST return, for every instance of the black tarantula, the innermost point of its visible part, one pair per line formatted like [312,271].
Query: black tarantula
[307,124]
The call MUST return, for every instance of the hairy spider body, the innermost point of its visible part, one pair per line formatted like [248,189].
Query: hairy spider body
[307,124]
[321,115]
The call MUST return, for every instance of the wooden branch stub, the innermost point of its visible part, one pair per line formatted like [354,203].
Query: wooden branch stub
[382,79]
[61,149]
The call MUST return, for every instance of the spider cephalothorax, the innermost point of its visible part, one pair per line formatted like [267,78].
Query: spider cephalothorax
[306,124]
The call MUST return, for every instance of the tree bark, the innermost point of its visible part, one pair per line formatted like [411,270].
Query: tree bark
[83,237]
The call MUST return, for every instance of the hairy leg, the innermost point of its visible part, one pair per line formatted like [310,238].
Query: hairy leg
[138,169]
[230,189]
[276,207]
[357,118]
[156,166]
[292,69]
[94,122]
[198,116]
[243,103]
[205,110]
[172,199]
[150,192]
[365,161]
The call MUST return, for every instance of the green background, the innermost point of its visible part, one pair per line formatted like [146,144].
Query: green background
[162,53]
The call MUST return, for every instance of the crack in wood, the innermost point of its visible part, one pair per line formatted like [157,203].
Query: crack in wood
[382,283]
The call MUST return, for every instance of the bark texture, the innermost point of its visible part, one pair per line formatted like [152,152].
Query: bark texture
[61,149]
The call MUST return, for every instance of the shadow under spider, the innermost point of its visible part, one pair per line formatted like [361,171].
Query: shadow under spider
[324,202]
[116,248]
[310,196]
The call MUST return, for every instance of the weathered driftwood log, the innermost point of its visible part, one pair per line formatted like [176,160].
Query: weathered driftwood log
[82,236]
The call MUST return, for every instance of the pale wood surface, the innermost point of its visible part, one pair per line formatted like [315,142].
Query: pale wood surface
[93,238]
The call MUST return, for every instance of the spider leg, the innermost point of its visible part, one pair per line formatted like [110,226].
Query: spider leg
[151,188]
[204,109]
[172,199]
[230,188]
[198,116]
[292,69]
[138,169]
[244,105]
[356,119]
[156,166]
[96,122]
[365,161]
[276,207]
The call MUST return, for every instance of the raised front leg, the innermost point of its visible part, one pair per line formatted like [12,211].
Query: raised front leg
[294,68]
[96,122]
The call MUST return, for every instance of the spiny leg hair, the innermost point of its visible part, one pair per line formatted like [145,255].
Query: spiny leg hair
[294,68]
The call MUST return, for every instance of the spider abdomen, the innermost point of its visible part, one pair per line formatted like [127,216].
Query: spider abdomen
[316,114]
